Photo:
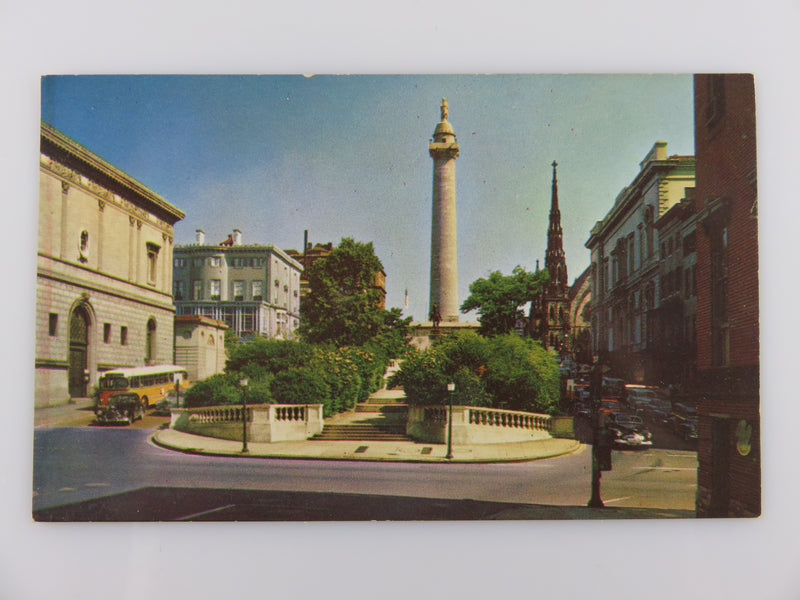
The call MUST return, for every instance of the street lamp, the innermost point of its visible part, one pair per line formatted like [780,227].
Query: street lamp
[177,378]
[450,389]
[596,389]
[243,383]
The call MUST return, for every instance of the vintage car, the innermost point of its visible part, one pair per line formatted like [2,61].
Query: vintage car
[124,407]
[687,429]
[628,431]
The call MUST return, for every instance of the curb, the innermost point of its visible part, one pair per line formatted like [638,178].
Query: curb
[574,448]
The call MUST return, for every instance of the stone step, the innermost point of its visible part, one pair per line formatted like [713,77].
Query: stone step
[382,408]
[363,432]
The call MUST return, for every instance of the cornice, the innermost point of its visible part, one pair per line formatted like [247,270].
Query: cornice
[53,137]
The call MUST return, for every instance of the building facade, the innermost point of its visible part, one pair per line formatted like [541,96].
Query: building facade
[672,325]
[254,289]
[580,330]
[625,265]
[104,271]
[727,390]
[200,346]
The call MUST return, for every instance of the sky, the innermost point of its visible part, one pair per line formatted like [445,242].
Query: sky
[347,156]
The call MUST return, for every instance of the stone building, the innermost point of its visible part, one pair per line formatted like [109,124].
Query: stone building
[200,346]
[672,327]
[625,265]
[104,271]
[580,330]
[727,384]
[254,289]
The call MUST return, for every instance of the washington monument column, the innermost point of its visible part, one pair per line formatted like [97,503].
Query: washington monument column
[443,149]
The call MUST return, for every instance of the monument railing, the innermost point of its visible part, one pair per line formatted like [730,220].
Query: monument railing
[265,422]
[477,425]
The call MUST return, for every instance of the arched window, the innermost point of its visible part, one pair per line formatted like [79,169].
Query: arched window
[150,342]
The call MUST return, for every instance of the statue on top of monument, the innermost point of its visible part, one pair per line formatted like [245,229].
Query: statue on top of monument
[445,112]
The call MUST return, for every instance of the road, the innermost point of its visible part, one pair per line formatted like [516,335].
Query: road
[78,464]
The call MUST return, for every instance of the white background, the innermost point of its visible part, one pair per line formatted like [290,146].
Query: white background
[656,559]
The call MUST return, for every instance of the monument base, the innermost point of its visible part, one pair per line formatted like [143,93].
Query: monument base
[423,332]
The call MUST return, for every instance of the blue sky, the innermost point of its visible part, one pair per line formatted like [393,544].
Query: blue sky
[347,156]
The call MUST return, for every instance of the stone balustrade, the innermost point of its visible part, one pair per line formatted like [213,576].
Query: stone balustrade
[475,425]
[265,422]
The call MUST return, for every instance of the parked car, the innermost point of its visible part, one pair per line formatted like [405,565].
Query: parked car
[687,429]
[657,412]
[680,414]
[609,405]
[628,431]
[123,407]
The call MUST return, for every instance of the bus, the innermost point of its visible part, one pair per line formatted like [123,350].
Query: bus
[151,384]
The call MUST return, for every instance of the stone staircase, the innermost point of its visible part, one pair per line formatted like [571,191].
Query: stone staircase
[380,418]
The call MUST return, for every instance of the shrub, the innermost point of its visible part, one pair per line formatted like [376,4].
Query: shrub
[215,390]
[301,386]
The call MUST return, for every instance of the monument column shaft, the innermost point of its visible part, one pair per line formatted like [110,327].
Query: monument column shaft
[444,257]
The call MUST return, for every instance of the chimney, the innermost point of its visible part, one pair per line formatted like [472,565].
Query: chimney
[237,237]
[200,237]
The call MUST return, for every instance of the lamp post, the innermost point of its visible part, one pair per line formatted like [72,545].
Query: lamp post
[177,379]
[450,389]
[243,383]
[596,389]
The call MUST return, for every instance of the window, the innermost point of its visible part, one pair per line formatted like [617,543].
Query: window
[123,335]
[179,289]
[198,262]
[197,289]
[715,106]
[214,261]
[179,262]
[238,291]
[53,325]
[257,290]
[152,262]
[106,332]
[720,342]
[214,289]
[150,346]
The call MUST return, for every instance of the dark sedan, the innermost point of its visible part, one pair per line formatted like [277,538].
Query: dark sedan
[124,407]
[628,431]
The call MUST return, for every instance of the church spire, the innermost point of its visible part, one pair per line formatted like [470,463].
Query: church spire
[554,260]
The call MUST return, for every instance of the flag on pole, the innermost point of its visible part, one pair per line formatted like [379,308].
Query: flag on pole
[406,300]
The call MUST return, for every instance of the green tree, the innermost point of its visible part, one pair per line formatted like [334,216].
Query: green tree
[343,306]
[500,298]
[504,371]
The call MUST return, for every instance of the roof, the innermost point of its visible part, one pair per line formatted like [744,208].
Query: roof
[53,142]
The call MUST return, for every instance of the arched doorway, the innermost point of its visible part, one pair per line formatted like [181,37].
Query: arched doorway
[150,343]
[79,323]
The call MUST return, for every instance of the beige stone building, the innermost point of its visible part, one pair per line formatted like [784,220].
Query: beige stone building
[200,346]
[626,272]
[104,271]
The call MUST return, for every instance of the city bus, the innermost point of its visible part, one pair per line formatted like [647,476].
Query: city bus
[151,384]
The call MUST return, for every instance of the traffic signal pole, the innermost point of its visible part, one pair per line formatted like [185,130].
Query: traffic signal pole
[597,389]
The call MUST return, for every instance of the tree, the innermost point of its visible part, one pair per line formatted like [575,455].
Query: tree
[343,306]
[500,298]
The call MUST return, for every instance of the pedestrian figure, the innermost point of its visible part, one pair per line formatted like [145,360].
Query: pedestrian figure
[435,316]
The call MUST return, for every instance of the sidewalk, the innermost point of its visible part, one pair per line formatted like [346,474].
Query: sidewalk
[374,451]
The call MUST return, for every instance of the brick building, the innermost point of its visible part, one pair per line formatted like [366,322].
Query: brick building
[729,474]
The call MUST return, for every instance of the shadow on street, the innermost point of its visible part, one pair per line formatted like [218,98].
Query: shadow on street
[193,504]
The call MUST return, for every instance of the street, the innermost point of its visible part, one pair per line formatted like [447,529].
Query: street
[106,465]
